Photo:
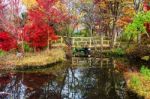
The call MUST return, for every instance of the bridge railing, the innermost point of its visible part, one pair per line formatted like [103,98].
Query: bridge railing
[89,41]
[84,41]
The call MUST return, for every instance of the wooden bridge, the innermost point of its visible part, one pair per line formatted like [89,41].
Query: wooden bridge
[79,42]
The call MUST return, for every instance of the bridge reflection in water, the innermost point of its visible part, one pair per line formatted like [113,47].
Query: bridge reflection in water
[88,78]
[91,61]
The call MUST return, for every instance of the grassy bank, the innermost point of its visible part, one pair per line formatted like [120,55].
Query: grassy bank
[139,82]
[43,58]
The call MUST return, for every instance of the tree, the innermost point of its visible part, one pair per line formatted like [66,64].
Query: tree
[67,27]
[10,19]
[47,14]
[87,8]
[137,26]
[115,7]
[9,15]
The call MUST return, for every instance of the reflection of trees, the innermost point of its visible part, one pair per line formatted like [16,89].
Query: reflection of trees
[99,82]
[4,79]
[14,87]
[31,86]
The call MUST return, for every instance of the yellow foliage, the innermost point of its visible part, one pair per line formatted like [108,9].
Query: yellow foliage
[128,11]
[60,5]
[29,3]
[103,5]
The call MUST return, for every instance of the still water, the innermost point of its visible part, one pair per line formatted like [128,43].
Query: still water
[80,78]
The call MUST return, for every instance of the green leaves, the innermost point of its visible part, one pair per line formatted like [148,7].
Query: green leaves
[145,71]
[137,26]
[2,53]
[135,81]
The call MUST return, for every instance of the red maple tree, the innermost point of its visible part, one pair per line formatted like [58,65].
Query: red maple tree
[42,19]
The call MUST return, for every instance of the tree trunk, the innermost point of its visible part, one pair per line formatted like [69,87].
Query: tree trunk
[101,37]
[22,45]
[139,39]
[48,44]
[114,35]
[92,39]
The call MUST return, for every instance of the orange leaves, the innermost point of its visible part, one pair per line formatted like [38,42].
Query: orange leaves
[128,11]
[123,21]
[103,5]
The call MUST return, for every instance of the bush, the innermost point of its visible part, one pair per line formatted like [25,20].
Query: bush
[145,71]
[117,52]
[146,58]
[2,53]
[27,48]
[138,51]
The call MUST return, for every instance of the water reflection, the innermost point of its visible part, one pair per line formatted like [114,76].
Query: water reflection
[78,82]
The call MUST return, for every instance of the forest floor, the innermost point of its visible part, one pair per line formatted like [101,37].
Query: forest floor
[11,61]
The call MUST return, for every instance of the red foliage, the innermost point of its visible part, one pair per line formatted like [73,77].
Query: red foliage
[37,35]
[41,19]
[146,6]
[49,11]
[147,25]
[7,42]
[46,4]
[36,16]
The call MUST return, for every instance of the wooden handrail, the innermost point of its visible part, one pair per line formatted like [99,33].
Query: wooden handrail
[89,41]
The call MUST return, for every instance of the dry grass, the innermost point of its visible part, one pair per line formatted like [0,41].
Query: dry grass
[33,59]
[141,84]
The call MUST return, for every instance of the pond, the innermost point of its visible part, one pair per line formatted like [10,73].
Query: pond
[80,78]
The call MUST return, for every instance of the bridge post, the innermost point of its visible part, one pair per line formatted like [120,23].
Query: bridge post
[61,39]
[72,41]
[90,42]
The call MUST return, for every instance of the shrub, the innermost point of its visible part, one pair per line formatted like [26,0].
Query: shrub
[138,51]
[118,52]
[145,71]
[27,48]
[146,58]
[2,53]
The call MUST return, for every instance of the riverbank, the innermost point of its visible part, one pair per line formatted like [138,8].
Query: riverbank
[139,82]
[11,61]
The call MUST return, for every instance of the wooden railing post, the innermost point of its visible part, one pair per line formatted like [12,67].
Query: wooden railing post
[90,42]
[72,41]
[61,40]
